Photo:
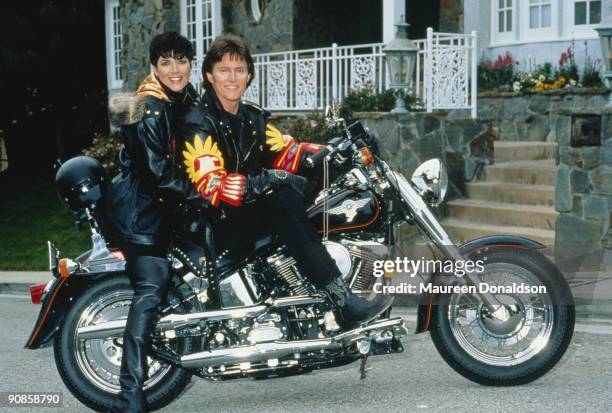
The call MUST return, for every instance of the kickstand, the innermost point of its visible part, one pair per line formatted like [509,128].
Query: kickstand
[362,367]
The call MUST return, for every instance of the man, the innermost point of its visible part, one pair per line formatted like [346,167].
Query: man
[247,172]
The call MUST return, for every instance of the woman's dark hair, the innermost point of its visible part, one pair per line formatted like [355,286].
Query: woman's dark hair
[227,43]
[170,44]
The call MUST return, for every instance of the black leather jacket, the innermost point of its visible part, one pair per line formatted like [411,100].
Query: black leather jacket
[223,162]
[140,203]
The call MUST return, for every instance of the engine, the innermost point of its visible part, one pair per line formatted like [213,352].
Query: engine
[295,314]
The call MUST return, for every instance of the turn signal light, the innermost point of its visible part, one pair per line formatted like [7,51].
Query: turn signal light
[67,267]
[366,156]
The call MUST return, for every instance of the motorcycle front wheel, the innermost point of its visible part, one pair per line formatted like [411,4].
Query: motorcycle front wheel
[90,368]
[525,345]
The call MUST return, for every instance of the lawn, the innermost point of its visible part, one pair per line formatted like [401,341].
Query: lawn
[29,216]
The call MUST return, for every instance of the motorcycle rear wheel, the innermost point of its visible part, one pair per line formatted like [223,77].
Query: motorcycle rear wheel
[516,351]
[90,368]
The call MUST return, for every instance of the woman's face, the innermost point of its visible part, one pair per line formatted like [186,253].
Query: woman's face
[173,73]
[229,79]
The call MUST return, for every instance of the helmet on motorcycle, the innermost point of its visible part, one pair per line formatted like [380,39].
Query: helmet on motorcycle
[80,182]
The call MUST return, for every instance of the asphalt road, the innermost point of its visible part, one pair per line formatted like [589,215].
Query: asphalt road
[417,380]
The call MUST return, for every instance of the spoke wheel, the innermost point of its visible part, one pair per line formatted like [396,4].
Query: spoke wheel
[90,368]
[503,342]
[531,337]
[100,360]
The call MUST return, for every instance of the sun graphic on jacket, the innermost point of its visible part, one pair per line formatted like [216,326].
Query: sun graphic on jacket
[202,158]
[276,140]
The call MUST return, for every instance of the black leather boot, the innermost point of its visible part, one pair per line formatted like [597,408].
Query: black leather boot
[352,309]
[149,278]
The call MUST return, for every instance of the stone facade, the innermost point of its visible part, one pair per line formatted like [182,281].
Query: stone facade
[451,16]
[274,33]
[141,21]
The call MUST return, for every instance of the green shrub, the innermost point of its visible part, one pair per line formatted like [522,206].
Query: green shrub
[591,76]
[368,100]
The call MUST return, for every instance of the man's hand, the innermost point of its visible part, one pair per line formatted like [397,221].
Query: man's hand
[275,178]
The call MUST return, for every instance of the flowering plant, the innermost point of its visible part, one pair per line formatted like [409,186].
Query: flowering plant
[540,79]
[567,65]
[105,148]
[492,75]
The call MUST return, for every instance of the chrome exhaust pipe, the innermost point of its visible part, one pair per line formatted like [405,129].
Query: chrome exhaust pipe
[260,352]
[396,324]
[263,352]
[115,328]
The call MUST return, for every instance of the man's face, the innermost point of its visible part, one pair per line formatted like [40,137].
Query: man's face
[229,79]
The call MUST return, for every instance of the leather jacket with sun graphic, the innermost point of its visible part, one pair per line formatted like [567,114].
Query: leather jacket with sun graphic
[233,158]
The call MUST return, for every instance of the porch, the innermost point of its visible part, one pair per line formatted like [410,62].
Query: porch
[311,79]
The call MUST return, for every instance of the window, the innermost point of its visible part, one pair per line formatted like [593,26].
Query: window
[504,16]
[587,12]
[539,14]
[114,43]
[503,21]
[200,23]
[539,20]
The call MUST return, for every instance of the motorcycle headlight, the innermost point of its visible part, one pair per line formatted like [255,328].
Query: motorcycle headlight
[431,181]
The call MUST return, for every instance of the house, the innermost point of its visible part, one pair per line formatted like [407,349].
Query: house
[268,26]
[536,31]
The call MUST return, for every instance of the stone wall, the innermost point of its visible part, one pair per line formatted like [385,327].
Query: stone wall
[531,117]
[407,140]
[141,21]
[583,193]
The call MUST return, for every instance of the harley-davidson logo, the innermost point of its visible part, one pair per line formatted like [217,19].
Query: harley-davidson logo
[349,208]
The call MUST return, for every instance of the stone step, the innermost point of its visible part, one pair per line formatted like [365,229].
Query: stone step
[539,172]
[512,193]
[500,213]
[520,151]
[462,231]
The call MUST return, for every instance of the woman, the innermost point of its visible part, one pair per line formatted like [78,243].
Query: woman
[140,201]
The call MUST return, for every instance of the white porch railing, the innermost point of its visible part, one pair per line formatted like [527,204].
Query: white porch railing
[311,79]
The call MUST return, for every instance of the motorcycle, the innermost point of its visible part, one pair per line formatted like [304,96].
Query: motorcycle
[273,322]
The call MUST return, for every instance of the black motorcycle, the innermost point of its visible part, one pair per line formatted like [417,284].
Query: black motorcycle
[273,322]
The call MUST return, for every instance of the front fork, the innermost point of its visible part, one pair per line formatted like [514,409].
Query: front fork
[425,218]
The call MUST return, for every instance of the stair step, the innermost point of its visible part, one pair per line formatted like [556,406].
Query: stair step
[501,213]
[538,172]
[512,193]
[462,231]
[517,151]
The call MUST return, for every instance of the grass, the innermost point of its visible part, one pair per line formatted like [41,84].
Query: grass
[31,214]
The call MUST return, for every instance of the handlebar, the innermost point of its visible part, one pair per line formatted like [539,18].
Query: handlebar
[355,131]
[314,160]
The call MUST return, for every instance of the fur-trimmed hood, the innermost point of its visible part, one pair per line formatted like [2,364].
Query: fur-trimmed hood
[127,108]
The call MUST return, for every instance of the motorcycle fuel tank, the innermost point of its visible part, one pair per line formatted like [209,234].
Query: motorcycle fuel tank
[348,210]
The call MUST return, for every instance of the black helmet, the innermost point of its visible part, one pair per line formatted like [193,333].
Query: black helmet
[80,182]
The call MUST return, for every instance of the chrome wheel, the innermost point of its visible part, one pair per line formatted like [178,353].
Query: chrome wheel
[507,342]
[100,360]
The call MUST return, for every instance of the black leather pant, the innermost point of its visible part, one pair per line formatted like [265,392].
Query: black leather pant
[282,213]
[148,271]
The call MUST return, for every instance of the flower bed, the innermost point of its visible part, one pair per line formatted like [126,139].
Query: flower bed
[502,75]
